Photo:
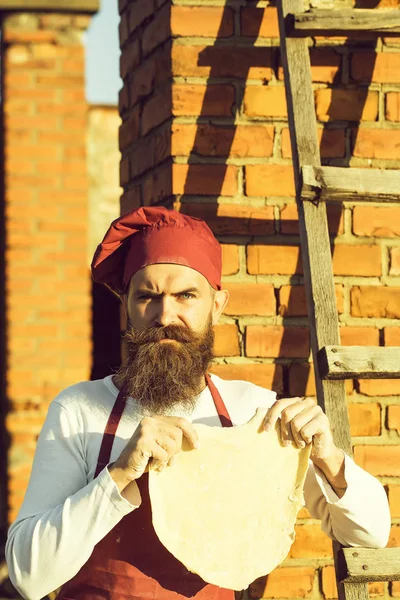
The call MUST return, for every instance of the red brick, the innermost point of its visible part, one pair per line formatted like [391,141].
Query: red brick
[251,299]
[274,260]
[205,180]
[393,106]
[209,101]
[204,21]
[157,31]
[359,336]
[138,13]
[151,74]
[379,460]
[264,375]
[357,260]
[311,542]
[265,101]
[129,130]
[130,58]
[210,140]
[395,261]
[230,259]
[259,22]
[325,65]
[17,35]
[379,387]
[222,61]
[302,380]
[394,418]
[290,222]
[269,180]
[382,67]
[346,105]
[376,143]
[226,340]
[292,300]
[392,336]
[274,341]
[233,219]
[376,221]
[375,301]
[157,186]
[332,143]
[394,500]
[156,110]
[395,589]
[130,200]
[286,260]
[297,582]
[394,538]
[365,419]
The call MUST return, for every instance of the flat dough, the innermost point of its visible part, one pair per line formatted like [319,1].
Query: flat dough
[227,510]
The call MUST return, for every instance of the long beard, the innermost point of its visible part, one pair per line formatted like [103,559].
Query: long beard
[167,374]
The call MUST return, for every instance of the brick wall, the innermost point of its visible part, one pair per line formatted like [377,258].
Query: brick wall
[205,129]
[47,285]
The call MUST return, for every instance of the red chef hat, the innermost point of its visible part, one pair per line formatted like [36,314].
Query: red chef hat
[152,235]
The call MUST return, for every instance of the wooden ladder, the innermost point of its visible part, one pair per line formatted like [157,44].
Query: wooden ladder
[333,363]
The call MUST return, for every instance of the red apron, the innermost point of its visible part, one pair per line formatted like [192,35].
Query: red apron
[130,563]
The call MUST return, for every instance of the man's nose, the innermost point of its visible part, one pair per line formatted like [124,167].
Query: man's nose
[166,314]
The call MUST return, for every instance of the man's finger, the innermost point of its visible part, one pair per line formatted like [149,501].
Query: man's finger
[275,411]
[188,431]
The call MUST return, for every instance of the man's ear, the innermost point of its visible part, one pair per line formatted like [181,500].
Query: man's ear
[221,298]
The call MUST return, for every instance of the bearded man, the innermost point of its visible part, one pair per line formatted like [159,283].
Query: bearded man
[85,523]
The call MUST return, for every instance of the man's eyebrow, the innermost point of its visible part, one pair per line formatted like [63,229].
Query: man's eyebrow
[152,293]
[145,290]
[187,291]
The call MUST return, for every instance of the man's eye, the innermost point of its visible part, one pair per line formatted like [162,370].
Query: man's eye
[187,295]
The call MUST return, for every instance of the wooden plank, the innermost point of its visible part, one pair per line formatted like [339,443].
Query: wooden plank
[356,591]
[367,564]
[344,22]
[338,183]
[314,236]
[81,6]
[348,362]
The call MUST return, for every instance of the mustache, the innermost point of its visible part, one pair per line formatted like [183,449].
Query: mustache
[156,334]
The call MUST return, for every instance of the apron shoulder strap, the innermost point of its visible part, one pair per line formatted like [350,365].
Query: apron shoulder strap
[110,431]
[219,403]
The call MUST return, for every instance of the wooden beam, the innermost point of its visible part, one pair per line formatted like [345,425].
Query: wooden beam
[363,565]
[313,225]
[78,6]
[341,183]
[348,362]
[344,22]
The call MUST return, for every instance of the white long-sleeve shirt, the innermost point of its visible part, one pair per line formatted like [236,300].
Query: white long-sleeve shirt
[66,511]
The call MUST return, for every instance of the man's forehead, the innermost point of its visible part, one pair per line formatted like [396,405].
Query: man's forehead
[167,276]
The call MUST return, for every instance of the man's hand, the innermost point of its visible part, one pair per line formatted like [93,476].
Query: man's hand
[155,442]
[303,422]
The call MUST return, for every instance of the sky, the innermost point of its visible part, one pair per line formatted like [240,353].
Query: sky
[102,55]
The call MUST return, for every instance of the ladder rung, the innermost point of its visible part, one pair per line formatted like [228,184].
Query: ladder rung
[344,22]
[342,183]
[348,362]
[368,564]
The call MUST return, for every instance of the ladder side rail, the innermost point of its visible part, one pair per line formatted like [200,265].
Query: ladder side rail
[314,235]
